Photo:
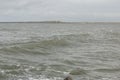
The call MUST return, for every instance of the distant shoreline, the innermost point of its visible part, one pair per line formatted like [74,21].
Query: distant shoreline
[56,22]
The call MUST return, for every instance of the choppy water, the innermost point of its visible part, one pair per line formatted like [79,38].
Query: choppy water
[49,51]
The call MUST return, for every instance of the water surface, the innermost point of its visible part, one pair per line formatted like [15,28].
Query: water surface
[48,51]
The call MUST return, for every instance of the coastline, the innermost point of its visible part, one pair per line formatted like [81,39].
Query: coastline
[61,22]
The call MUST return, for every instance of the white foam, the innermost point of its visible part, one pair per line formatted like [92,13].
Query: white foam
[55,78]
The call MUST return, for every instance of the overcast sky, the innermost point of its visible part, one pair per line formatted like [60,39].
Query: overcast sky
[64,10]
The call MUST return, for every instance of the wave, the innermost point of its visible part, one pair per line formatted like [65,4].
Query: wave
[24,72]
[108,70]
[45,46]
[78,72]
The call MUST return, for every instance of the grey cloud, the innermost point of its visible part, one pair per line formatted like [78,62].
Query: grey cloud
[68,10]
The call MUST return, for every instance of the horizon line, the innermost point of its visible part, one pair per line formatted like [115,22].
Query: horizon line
[57,21]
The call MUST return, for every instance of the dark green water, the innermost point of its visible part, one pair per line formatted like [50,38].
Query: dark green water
[49,51]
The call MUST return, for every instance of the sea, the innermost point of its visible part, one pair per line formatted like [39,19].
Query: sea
[54,50]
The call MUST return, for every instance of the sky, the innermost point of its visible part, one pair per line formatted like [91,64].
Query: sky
[59,10]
